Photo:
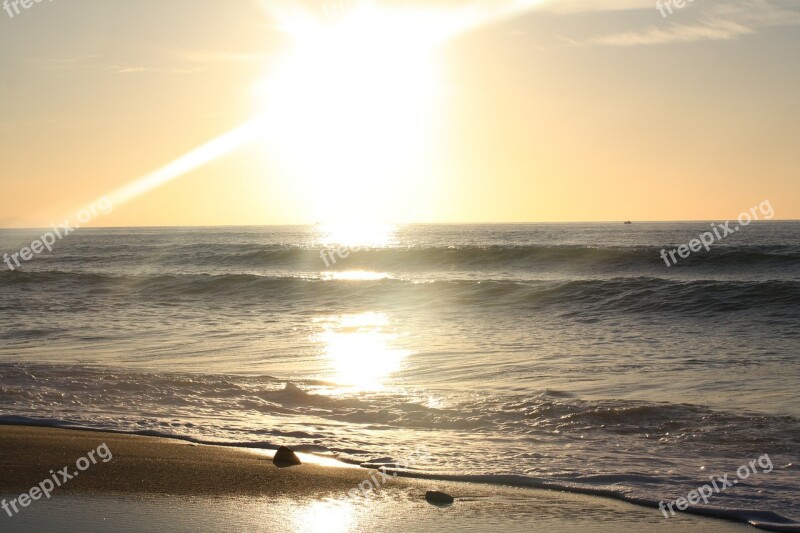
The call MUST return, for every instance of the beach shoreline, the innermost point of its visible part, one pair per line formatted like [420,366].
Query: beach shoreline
[146,473]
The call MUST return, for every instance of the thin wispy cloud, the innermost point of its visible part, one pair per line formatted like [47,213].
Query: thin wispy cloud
[721,30]
[143,70]
[720,22]
[584,6]
[712,20]
[167,61]
[186,61]
[214,56]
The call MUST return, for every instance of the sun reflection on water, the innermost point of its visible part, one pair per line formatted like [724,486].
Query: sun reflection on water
[359,350]
[328,516]
[355,275]
[353,235]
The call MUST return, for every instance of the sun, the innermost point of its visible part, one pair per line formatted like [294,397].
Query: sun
[352,108]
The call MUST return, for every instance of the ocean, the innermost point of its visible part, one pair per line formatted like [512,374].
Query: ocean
[567,356]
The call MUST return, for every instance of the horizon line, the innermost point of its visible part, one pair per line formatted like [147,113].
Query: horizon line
[529,223]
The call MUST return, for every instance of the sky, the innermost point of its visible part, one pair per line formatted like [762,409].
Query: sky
[433,111]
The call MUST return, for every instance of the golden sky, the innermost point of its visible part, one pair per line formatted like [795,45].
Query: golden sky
[448,111]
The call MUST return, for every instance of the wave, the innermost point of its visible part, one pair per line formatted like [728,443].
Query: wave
[577,297]
[467,257]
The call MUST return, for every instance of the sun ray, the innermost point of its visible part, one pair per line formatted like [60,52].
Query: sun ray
[222,145]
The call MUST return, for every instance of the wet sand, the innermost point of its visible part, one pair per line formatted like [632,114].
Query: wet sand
[153,483]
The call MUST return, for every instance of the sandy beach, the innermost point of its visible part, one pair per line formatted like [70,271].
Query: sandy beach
[151,483]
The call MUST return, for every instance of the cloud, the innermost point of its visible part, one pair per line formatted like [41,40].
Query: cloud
[167,61]
[725,21]
[138,69]
[583,6]
[214,56]
[677,33]
[185,61]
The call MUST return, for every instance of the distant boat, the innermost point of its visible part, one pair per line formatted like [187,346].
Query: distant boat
[628,222]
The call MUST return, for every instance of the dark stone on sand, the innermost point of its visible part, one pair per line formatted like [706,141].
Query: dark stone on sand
[286,457]
[438,498]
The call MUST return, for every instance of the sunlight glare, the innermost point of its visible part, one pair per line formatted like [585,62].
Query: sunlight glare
[355,275]
[327,516]
[354,102]
[359,350]
[357,235]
